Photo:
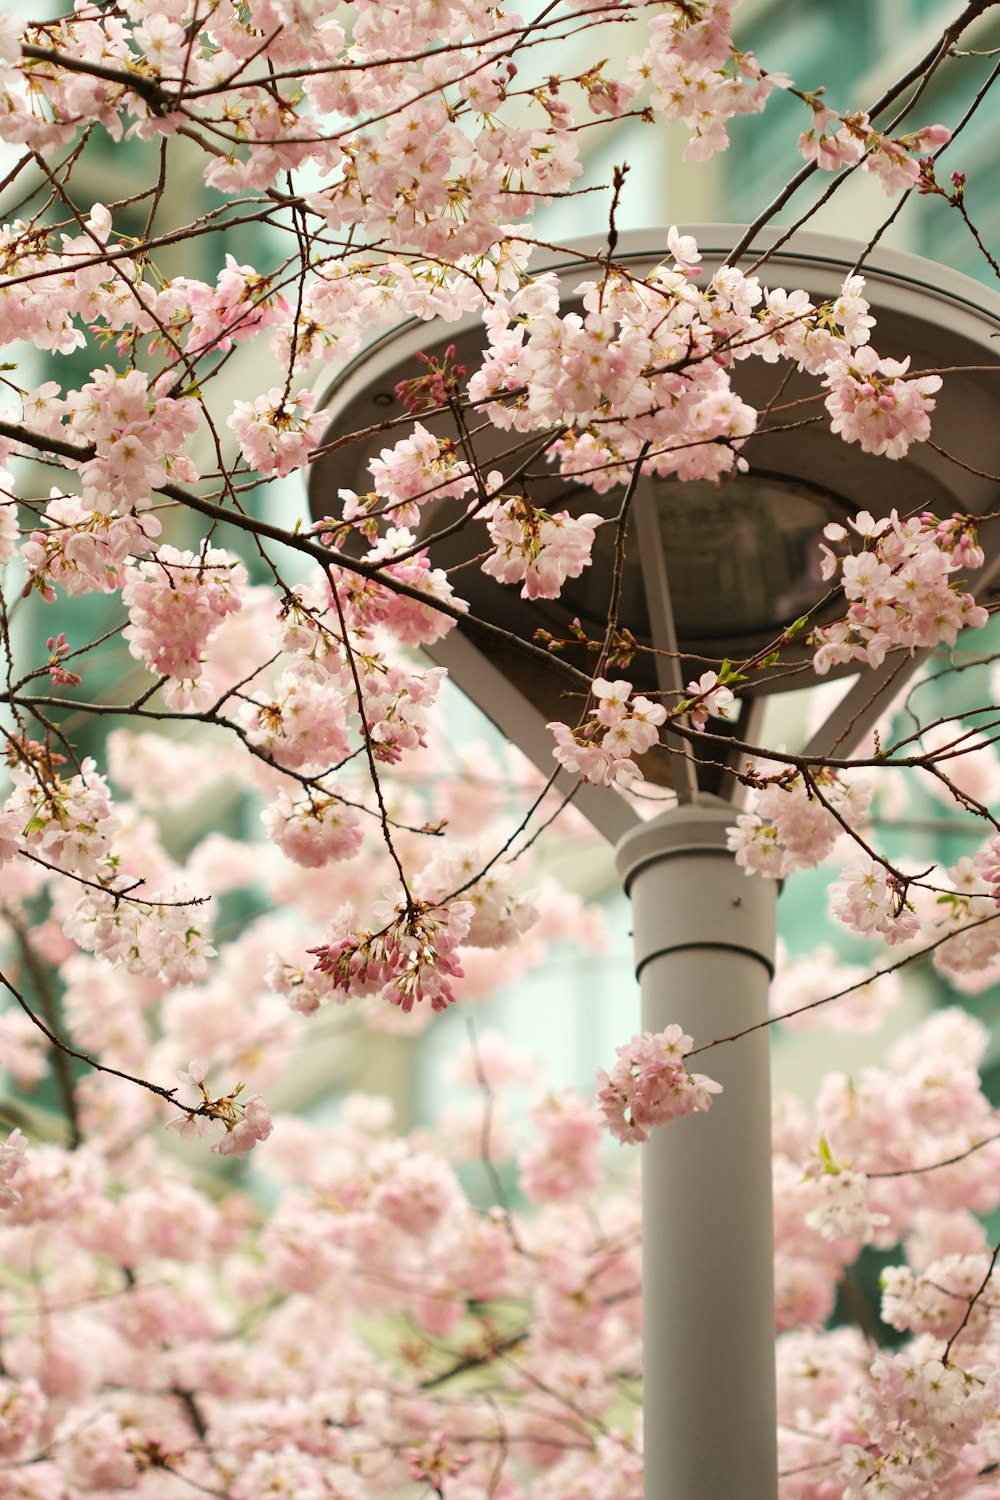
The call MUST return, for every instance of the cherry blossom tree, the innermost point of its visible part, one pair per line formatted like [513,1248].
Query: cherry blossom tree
[234,819]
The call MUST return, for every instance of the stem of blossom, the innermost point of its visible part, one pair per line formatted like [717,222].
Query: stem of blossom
[909,958]
[621,530]
[485,1140]
[107,890]
[191,1407]
[969,469]
[946,1357]
[886,223]
[816,791]
[618,175]
[485,496]
[366,736]
[964,799]
[474,1361]
[935,1166]
[547,822]
[208,716]
[303,543]
[8,652]
[327,557]
[138,83]
[661,619]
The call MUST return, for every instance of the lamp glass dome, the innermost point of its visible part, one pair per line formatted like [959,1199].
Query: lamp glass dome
[742,557]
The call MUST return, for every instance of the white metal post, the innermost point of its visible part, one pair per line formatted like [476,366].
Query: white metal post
[704,948]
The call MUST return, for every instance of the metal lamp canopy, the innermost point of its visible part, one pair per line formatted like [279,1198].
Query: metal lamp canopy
[710,570]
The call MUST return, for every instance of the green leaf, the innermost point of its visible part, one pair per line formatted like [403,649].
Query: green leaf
[727,673]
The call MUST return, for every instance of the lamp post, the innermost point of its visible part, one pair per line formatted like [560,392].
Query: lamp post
[707,571]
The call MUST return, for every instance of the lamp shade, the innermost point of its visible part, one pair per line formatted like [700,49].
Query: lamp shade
[741,557]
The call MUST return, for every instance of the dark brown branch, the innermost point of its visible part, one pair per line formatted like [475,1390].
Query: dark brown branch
[159,101]
[170,1095]
[50,1010]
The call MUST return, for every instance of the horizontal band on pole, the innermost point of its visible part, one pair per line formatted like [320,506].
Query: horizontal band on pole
[713,947]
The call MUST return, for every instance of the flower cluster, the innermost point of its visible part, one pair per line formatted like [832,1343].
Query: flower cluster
[698,77]
[873,402]
[239,304]
[83,550]
[932,1296]
[412,958]
[277,432]
[413,620]
[650,1085]
[918,1417]
[793,823]
[965,907]
[835,141]
[313,829]
[12,1154]
[621,726]
[542,550]
[902,587]
[643,374]
[843,1212]
[301,723]
[871,899]
[159,935]
[562,1160]
[176,601]
[67,823]
[244,1121]
[417,468]
[710,699]
[396,701]
[989,864]
[501,913]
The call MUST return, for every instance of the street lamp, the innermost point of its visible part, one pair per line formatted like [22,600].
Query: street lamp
[709,571]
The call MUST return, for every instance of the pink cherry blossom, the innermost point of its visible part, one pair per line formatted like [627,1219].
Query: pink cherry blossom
[244,1121]
[175,602]
[710,697]
[870,900]
[313,830]
[277,433]
[12,1155]
[601,749]
[562,1159]
[902,588]
[874,402]
[540,549]
[650,1085]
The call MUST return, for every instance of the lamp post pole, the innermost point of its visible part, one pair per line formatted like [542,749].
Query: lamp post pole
[704,955]
[704,940]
